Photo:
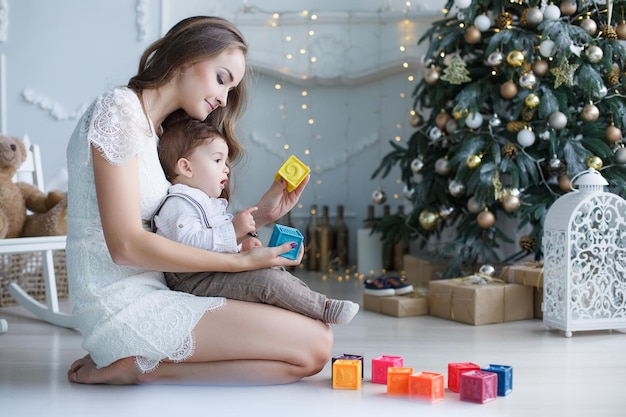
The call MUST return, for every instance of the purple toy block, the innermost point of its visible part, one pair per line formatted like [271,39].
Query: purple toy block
[381,364]
[479,386]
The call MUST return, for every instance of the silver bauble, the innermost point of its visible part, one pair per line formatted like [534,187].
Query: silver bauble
[495,58]
[452,126]
[557,120]
[408,192]
[495,120]
[594,54]
[442,167]
[456,188]
[446,211]
[435,133]
[416,165]
[473,205]
[533,17]
[601,93]
[488,270]
[620,156]
[589,25]
[555,164]
[528,80]
[511,203]
[379,196]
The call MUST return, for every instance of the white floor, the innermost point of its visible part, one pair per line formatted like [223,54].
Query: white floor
[552,375]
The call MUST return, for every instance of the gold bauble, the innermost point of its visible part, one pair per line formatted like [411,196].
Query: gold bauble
[540,67]
[508,90]
[590,113]
[527,243]
[473,161]
[429,220]
[486,219]
[594,162]
[459,114]
[613,134]
[621,31]
[515,58]
[511,203]
[564,183]
[432,75]
[442,119]
[472,35]
[531,100]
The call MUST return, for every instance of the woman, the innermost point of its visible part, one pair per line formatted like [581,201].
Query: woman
[135,329]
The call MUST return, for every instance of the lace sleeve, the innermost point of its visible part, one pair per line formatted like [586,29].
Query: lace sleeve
[119,127]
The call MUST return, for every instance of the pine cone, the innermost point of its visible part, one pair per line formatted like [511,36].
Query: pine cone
[527,243]
[523,20]
[515,126]
[504,20]
[613,77]
[608,32]
[510,151]
[527,114]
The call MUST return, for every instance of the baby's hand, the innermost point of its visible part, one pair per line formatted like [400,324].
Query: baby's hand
[249,243]
[244,223]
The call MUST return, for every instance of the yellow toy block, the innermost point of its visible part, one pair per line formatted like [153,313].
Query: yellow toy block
[293,171]
[347,374]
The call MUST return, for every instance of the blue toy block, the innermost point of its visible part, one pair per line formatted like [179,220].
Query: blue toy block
[505,378]
[282,234]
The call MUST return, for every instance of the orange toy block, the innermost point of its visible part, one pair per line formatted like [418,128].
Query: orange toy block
[398,381]
[427,386]
[293,171]
[347,374]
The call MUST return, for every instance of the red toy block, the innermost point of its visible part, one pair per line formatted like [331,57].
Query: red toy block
[347,374]
[454,372]
[398,381]
[380,366]
[479,386]
[427,386]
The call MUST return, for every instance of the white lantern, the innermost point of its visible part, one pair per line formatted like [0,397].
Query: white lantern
[584,248]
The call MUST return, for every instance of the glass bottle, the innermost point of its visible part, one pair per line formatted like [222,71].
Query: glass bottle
[311,246]
[325,241]
[341,238]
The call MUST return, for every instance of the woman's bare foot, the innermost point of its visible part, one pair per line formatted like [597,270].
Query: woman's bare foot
[121,372]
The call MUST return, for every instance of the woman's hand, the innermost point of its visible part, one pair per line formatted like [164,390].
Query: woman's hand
[267,257]
[277,201]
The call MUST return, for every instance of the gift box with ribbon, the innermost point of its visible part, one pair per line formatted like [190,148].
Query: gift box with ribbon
[529,274]
[480,299]
[412,304]
[420,269]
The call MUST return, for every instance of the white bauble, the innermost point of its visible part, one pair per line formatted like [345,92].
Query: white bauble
[482,23]
[462,4]
[552,12]
[474,120]
[442,167]
[546,48]
[526,137]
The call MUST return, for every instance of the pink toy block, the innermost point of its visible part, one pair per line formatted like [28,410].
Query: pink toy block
[428,386]
[454,372]
[349,356]
[398,381]
[347,374]
[479,386]
[381,364]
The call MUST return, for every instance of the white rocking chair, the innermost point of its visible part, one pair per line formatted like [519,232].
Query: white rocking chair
[31,172]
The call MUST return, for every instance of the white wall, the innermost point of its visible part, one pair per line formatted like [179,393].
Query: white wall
[60,55]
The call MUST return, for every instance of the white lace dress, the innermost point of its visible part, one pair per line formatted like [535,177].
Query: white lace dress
[122,311]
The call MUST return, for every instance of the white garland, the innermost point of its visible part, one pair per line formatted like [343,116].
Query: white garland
[142,20]
[54,109]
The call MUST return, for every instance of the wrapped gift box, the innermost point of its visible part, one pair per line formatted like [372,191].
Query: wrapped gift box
[372,302]
[529,274]
[419,270]
[477,304]
[414,304]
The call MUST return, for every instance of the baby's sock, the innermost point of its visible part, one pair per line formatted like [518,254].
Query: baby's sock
[339,311]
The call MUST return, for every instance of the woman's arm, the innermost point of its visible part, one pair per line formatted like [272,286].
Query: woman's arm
[277,201]
[119,202]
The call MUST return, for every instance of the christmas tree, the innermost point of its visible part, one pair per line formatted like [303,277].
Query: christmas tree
[517,98]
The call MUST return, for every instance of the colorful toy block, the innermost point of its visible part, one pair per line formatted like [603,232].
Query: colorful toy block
[347,374]
[352,357]
[505,378]
[454,372]
[381,364]
[293,171]
[479,386]
[282,234]
[398,381]
[428,386]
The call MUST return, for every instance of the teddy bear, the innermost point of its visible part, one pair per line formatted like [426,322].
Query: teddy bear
[48,209]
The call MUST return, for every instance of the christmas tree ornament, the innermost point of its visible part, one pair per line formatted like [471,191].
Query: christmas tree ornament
[613,77]
[473,206]
[528,80]
[556,166]
[446,211]
[379,196]
[589,25]
[600,93]
[526,137]
[527,243]
[452,126]
[416,119]
[531,17]
[429,219]
[564,73]
[621,31]
[472,35]
[416,165]
[488,270]
[608,32]
[486,219]
[613,134]
[456,73]
[551,12]
[515,58]
[482,22]
[442,167]
[557,120]
[435,133]
[495,58]
[495,120]
[459,113]
[564,183]
[540,67]
[510,151]
[620,156]
[532,101]
[545,135]
[590,113]
[568,7]
[594,54]
[456,188]
[508,90]
[473,161]
[515,126]
[432,75]
[442,119]
[511,203]
[547,47]
[462,4]
[408,192]
[594,162]
[474,120]
[504,20]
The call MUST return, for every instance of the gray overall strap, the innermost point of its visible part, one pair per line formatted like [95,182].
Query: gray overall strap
[190,199]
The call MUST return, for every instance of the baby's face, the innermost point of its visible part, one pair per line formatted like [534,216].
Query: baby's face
[208,167]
